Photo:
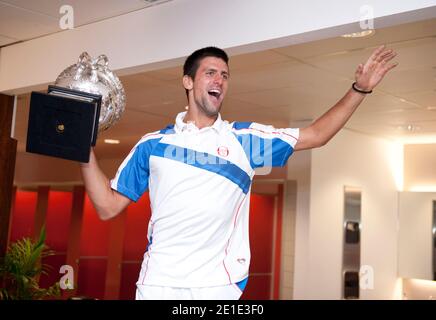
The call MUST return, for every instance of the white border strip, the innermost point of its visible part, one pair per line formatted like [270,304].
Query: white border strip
[14,116]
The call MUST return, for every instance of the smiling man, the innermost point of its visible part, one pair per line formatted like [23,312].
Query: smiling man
[199,172]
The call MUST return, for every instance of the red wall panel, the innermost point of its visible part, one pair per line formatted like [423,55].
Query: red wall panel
[261,241]
[55,262]
[94,241]
[135,239]
[57,226]
[95,232]
[23,215]
[261,230]
[93,253]
[129,276]
[91,278]
[135,244]
[258,288]
[58,220]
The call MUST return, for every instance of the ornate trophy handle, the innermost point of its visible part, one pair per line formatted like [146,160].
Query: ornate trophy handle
[101,58]
[84,58]
[83,62]
[93,75]
[101,62]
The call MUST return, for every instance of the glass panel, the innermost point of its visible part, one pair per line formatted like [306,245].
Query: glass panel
[351,244]
[416,238]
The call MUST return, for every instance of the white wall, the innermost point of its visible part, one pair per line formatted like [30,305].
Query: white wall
[295,234]
[352,159]
[420,179]
[415,235]
[296,261]
[419,167]
[414,289]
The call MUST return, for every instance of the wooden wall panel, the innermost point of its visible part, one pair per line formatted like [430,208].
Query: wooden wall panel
[75,231]
[8,150]
[41,210]
[278,243]
[115,256]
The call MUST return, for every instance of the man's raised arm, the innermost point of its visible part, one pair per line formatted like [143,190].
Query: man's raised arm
[367,76]
[106,201]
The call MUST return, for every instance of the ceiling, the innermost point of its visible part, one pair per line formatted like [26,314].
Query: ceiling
[22,20]
[293,83]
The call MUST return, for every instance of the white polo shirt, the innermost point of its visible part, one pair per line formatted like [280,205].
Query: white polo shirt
[199,182]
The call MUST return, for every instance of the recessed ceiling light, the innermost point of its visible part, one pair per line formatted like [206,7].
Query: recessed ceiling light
[409,128]
[395,110]
[361,34]
[111,141]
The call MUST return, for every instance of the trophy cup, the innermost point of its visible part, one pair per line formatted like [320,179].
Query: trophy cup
[87,98]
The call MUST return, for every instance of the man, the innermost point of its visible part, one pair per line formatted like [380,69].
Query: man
[199,173]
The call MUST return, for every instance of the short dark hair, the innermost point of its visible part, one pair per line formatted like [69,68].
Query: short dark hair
[193,61]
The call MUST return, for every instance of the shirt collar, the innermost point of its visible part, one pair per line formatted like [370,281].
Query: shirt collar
[182,126]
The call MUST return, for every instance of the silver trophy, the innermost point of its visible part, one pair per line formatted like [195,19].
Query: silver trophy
[87,98]
[93,76]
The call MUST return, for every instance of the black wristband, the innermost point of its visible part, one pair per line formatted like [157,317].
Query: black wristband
[358,90]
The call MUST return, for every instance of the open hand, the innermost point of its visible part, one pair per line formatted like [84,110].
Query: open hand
[368,75]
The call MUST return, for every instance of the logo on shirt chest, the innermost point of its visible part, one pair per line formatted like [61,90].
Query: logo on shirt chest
[223,151]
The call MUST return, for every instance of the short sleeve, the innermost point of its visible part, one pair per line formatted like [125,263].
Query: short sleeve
[132,176]
[264,145]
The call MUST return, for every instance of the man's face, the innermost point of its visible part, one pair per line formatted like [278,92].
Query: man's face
[210,85]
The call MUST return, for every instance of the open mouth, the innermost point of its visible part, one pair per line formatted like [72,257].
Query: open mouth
[215,93]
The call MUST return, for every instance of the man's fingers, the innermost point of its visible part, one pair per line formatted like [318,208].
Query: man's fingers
[384,54]
[389,67]
[392,65]
[359,69]
[389,57]
[376,53]
[385,57]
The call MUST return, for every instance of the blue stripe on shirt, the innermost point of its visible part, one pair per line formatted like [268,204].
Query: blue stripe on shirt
[169,129]
[133,179]
[262,152]
[242,284]
[205,161]
[241,125]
